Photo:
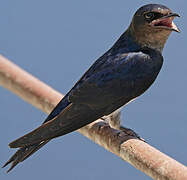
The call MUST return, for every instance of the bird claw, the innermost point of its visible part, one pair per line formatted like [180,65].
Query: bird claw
[130,132]
[114,122]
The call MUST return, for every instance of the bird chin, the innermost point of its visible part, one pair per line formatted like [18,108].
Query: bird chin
[165,23]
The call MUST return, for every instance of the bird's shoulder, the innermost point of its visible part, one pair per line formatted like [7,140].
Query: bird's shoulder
[108,71]
[109,64]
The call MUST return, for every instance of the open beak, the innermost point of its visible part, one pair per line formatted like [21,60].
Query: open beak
[166,22]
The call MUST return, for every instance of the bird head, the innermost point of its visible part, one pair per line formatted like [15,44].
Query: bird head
[152,24]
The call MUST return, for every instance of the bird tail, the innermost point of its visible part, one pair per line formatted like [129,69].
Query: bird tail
[71,118]
[23,153]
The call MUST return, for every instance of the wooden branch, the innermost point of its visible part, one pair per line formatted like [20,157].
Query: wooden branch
[141,155]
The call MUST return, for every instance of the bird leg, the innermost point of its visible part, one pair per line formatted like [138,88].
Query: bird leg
[114,120]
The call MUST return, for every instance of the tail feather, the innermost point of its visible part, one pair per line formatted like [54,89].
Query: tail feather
[22,154]
[25,152]
[71,118]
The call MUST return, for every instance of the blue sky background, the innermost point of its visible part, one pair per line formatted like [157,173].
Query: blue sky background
[57,41]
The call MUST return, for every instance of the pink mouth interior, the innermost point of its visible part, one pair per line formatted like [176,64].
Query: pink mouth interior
[164,22]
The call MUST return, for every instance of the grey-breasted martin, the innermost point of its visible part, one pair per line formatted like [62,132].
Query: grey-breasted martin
[120,75]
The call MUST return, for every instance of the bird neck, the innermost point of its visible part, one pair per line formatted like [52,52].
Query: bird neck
[147,38]
[125,44]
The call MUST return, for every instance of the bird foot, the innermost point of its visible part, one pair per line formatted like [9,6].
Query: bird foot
[130,132]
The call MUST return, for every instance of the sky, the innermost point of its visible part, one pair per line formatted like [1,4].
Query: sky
[57,41]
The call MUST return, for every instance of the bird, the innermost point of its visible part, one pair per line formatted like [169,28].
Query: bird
[120,75]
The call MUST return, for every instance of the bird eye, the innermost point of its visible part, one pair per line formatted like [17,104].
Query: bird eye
[149,15]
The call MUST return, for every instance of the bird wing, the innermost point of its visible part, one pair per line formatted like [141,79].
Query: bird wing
[58,108]
[24,152]
[72,118]
[113,80]
[89,98]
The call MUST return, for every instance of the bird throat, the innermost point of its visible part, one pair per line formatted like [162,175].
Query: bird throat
[149,37]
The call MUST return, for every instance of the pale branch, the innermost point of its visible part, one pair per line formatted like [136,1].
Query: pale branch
[138,153]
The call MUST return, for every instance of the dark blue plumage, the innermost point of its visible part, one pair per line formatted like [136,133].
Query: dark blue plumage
[123,73]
